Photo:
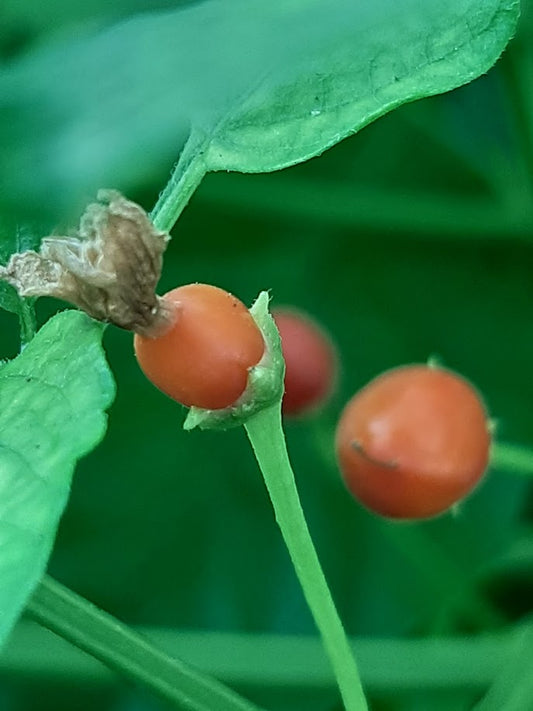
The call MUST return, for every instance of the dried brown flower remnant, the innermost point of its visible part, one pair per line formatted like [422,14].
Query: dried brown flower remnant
[110,269]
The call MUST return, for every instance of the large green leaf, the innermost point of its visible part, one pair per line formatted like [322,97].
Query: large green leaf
[334,67]
[260,85]
[52,402]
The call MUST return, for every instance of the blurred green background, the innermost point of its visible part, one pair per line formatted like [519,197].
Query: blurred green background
[410,239]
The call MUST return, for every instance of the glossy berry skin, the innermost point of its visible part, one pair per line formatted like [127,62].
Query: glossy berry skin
[204,357]
[310,362]
[413,442]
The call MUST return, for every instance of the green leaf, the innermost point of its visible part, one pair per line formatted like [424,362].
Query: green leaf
[52,402]
[346,64]
[260,85]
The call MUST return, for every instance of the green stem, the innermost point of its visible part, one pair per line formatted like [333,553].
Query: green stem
[124,651]
[186,177]
[266,436]
[512,457]
[27,320]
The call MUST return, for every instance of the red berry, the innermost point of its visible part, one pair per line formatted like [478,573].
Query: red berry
[203,358]
[310,362]
[413,442]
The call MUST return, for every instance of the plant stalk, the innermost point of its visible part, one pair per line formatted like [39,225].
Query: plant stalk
[78,621]
[27,321]
[186,177]
[268,442]
[512,457]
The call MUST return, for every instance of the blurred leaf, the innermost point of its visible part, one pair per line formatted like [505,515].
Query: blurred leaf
[512,689]
[262,85]
[280,661]
[30,17]
[52,402]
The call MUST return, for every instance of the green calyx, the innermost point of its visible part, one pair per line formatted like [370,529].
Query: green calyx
[265,380]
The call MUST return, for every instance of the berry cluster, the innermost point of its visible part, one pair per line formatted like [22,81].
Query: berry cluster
[411,444]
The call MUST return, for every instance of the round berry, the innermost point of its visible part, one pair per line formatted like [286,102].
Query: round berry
[310,362]
[413,442]
[202,359]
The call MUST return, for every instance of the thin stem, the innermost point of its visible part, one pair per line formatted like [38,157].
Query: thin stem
[124,651]
[27,320]
[512,457]
[266,436]
[186,177]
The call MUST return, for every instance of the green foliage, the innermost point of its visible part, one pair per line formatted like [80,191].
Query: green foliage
[260,86]
[131,655]
[52,402]
[410,239]
[328,70]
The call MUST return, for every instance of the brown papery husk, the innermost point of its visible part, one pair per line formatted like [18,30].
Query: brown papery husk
[109,268]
